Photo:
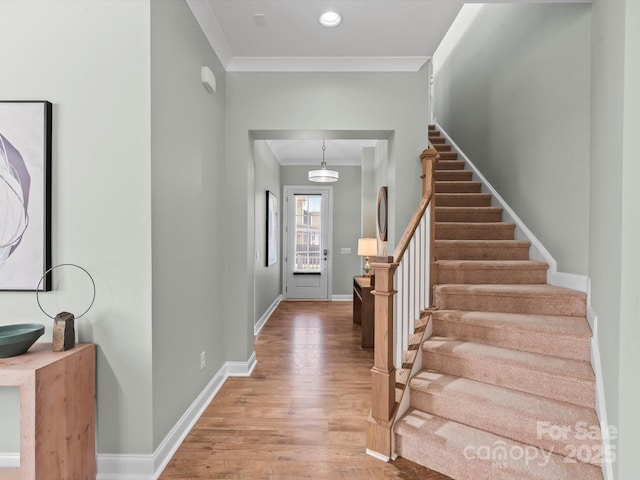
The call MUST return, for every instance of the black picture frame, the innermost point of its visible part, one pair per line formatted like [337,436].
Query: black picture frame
[25,179]
[272,244]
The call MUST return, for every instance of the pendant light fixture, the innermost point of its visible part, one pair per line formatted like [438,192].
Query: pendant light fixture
[324,175]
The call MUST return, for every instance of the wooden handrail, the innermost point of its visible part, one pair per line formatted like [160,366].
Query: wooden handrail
[383,374]
[428,158]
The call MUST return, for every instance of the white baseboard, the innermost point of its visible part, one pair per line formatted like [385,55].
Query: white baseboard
[9,460]
[262,321]
[377,455]
[181,429]
[149,467]
[570,280]
[342,298]
[131,467]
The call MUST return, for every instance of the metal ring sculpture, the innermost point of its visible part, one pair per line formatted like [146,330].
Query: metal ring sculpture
[66,265]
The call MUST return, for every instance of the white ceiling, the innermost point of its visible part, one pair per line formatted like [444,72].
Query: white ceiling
[375,35]
[309,152]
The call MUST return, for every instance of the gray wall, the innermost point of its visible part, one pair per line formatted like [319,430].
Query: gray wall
[187,192]
[369,193]
[614,259]
[268,280]
[347,210]
[311,101]
[98,81]
[514,94]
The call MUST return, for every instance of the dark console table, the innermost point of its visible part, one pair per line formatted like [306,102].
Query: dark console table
[363,308]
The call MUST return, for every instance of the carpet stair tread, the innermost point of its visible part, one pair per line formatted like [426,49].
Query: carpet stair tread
[453,175]
[528,418]
[474,231]
[446,164]
[537,299]
[448,155]
[453,249]
[463,200]
[562,336]
[450,186]
[460,451]
[465,214]
[558,378]
[492,271]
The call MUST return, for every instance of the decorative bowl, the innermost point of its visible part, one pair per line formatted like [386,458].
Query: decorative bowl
[17,339]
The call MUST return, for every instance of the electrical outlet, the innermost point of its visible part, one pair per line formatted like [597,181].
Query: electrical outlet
[203,360]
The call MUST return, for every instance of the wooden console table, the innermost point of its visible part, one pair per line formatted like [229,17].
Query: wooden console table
[57,411]
[363,308]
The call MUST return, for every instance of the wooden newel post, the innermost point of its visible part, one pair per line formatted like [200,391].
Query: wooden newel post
[428,157]
[383,373]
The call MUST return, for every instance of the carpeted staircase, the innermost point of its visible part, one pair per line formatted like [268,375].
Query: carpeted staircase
[507,390]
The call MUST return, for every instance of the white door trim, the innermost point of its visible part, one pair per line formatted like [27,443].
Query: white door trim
[286,191]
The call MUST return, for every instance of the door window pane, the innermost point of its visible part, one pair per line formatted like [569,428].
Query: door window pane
[308,232]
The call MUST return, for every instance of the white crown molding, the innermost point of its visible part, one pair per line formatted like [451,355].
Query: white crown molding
[326,64]
[209,26]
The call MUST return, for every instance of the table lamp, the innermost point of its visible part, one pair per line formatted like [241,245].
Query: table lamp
[367,247]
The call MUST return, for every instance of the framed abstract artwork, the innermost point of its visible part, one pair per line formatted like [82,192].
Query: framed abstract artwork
[272,229]
[25,195]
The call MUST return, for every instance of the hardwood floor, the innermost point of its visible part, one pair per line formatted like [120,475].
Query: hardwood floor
[301,414]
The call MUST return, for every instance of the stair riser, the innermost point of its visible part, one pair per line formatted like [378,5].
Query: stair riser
[468,214]
[463,200]
[442,148]
[458,187]
[448,155]
[533,304]
[491,276]
[517,377]
[453,175]
[463,252]
[449,164]
[480,232]
[436,139]
[522,340]
[510,424]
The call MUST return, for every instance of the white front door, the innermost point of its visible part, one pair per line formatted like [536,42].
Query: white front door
[307,237]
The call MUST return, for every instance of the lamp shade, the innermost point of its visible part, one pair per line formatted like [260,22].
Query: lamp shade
[367,247]
[323,175]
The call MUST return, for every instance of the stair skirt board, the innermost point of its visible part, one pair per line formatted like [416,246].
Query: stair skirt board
[601,407]
[513,348]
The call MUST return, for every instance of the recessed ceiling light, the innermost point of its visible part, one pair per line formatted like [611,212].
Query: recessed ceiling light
[330,19]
